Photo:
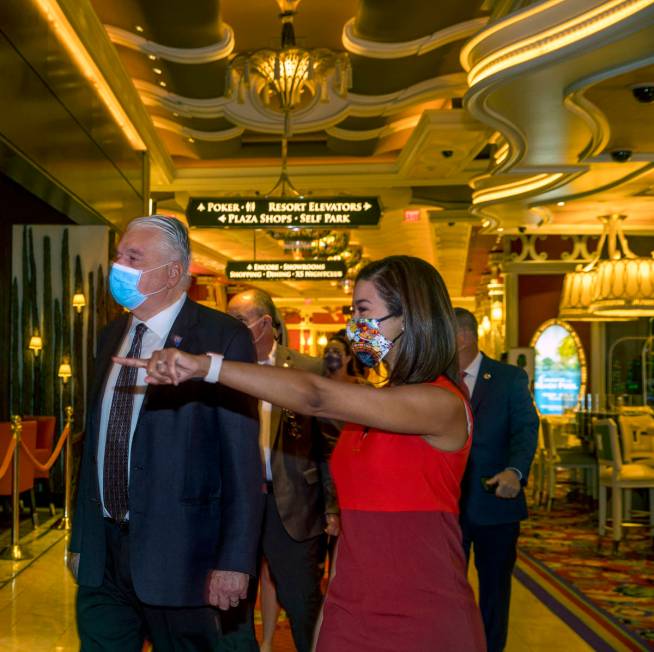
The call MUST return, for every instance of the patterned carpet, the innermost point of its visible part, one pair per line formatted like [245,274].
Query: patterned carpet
[283,639]
[610,595]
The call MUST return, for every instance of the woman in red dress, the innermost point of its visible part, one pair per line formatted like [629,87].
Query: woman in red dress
[400,575]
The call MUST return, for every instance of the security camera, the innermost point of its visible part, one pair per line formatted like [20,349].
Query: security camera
[621,155]
[643,93]
[522,229]
[447,153]
[451,224]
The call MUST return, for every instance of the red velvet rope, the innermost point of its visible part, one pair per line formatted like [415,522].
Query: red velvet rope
[55,453]
[8,457]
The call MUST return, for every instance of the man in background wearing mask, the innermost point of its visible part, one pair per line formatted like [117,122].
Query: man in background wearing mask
[300,498]
[505,435]
[169,503]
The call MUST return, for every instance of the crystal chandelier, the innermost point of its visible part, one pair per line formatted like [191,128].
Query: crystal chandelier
[618,287]
[284,75]
[313,243]
[286,79]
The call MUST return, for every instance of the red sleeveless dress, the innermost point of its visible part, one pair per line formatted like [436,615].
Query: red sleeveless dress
[400,580]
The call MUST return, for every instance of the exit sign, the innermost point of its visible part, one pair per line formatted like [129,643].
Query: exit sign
[412,215]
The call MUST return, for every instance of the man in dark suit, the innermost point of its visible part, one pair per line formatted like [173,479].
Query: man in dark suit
[505,436]
[300,498]
[169,504]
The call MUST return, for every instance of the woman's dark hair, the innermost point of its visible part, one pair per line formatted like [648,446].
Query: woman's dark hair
[354,366]
[414,290]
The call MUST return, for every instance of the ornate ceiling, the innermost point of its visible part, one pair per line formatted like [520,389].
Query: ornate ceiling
[400,131]
[487,116]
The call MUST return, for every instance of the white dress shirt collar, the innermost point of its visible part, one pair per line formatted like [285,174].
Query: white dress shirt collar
[473,368]
[163,321]
[471,372]
[272,356]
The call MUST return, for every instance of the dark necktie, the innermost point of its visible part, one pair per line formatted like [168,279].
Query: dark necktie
[118,430]
[463,385]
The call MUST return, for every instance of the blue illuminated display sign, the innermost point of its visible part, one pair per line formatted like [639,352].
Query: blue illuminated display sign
[560,369]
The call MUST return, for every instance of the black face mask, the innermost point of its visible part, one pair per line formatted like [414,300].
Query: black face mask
[333,361]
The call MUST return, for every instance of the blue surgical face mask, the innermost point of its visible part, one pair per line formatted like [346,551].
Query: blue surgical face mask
[124,285]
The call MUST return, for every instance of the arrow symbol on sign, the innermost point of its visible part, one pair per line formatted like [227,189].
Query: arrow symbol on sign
[249,268]
[366,206]
[222,219]
[201,207]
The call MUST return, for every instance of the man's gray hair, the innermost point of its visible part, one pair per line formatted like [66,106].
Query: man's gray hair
[174,232]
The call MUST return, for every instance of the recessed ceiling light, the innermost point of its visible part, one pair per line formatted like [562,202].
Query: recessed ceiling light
[560,203]
[500,230]
[139,28]
[158,71]
[162,84]
[175,115]
[191,140]
[152,57]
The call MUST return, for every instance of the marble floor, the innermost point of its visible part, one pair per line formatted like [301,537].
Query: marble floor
[37,612]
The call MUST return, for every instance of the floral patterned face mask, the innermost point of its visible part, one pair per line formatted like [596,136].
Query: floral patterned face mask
[368,343]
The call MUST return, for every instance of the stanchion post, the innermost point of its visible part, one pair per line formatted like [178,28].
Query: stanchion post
[68,471]
[15,552]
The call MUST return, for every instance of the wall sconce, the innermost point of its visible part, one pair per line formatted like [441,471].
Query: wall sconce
[497,311]
[65,372]
[79,301]
[496,296]
[322,340]
[36,344]
[485,324]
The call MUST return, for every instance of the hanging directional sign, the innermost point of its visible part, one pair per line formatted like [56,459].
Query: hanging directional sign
[279,212]
[285,270]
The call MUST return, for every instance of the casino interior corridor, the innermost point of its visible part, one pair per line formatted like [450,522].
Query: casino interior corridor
[507,143]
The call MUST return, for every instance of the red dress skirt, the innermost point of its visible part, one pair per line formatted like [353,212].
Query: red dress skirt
[400,575]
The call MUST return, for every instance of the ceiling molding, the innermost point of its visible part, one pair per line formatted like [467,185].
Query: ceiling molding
[551,50]
[598,125]
[207,54]
[417,47]
[485,58]
[623,176]
[489,189]
[433,134]
[187,132]
[248,111]
[368,134]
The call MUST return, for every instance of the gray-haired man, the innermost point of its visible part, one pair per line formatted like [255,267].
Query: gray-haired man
[169,505]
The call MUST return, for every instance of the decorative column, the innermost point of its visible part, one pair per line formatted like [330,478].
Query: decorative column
[598,358]
[511,310]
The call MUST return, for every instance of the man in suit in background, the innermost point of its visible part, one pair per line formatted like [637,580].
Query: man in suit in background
[169,504]
[505,436]
[300,498]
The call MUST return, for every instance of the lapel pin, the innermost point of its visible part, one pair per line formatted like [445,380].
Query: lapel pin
[177,340]
[487,376]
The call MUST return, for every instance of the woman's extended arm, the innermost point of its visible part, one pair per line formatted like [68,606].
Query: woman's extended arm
[410,409]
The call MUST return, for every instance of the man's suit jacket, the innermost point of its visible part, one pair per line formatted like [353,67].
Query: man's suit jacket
[195,501]
[505,434]
[302,484]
